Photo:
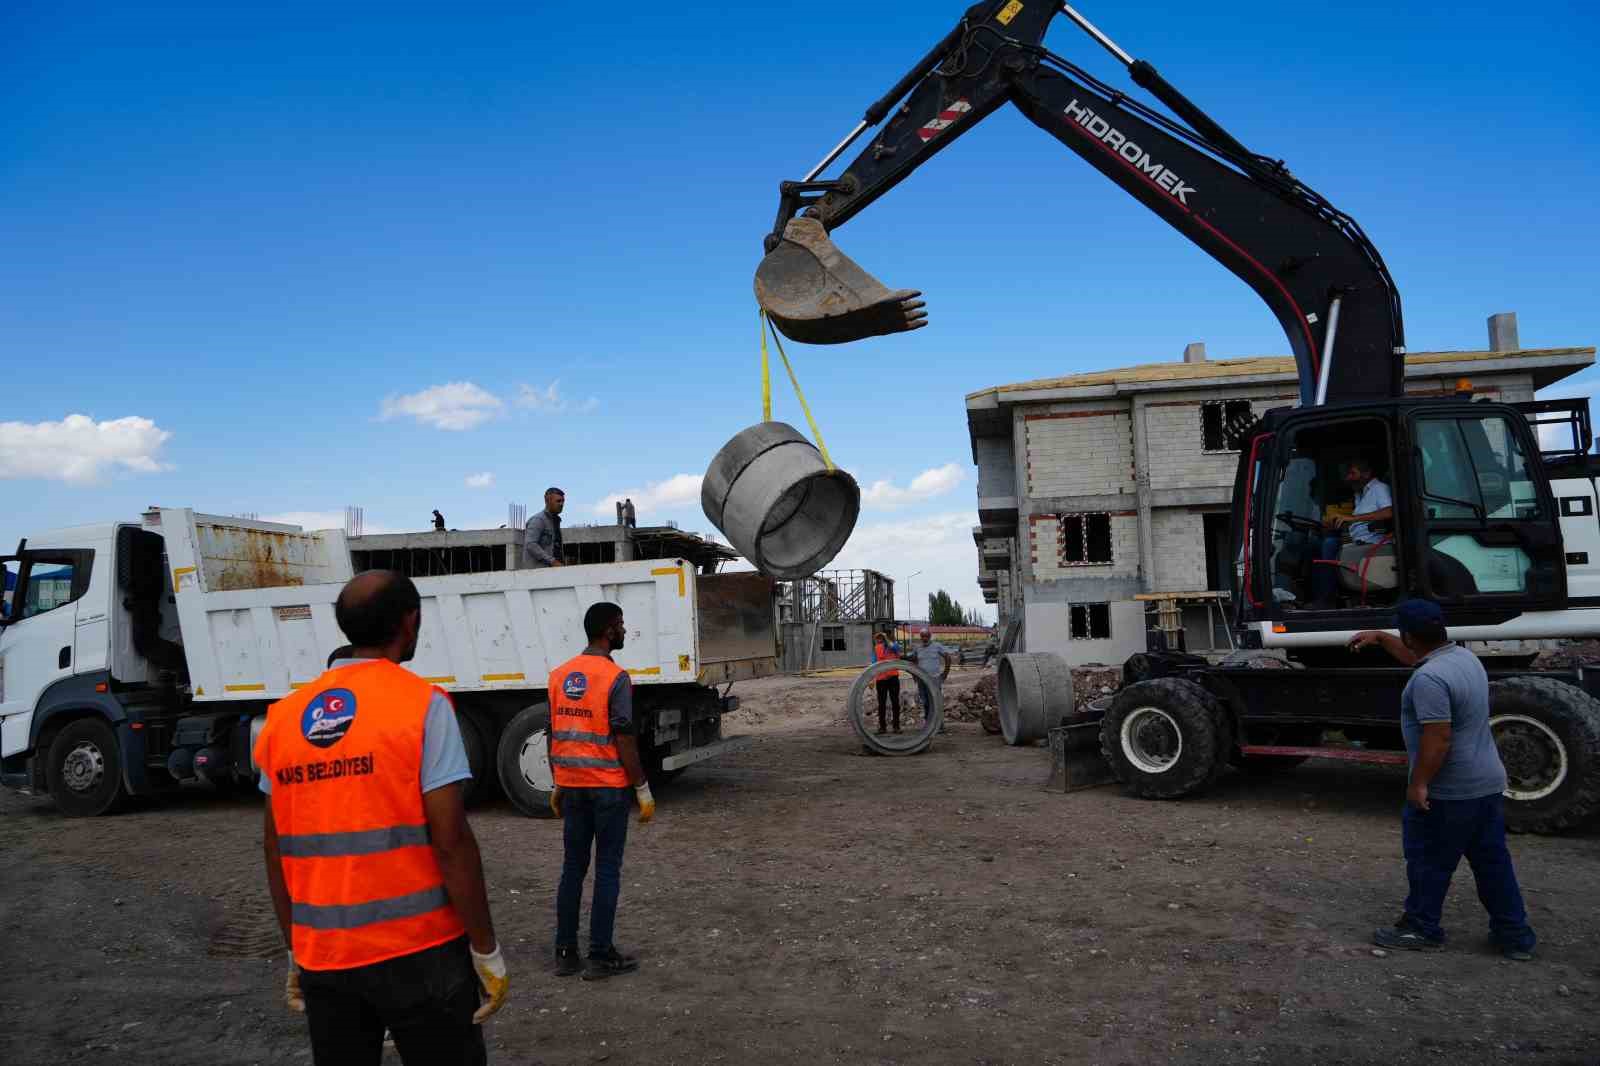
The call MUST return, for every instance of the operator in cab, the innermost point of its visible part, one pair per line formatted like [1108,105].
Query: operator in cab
[1373,504]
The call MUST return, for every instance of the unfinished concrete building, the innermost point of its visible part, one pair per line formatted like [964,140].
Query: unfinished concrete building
[828,619]
[473,551]
[1097,488]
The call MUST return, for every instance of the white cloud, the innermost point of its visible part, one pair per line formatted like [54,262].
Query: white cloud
[480,481]
[887,496]
[550,401]
[78,449]
[940,546]
[457,405]
[676,491]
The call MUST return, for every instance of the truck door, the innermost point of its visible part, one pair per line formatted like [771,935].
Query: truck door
[1489,533]
[37,639]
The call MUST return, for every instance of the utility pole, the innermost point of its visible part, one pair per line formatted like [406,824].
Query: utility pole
[910,615]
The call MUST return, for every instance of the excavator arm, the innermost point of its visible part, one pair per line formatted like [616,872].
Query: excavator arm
[1311,263]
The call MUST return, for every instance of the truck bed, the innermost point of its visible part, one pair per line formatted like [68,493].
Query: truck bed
[502,630]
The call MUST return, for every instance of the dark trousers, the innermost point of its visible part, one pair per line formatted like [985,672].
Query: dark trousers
[1325,571]
[1436,840]
[597,818]
[889,692]
[425,1000]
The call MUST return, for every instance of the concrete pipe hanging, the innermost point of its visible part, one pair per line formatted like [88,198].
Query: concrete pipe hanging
[778,502]
[896,743]
[1035,695]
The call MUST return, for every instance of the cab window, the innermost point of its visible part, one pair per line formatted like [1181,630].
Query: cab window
[39,583]
[1475,474]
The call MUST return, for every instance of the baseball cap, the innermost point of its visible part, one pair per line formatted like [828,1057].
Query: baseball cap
[1413,615]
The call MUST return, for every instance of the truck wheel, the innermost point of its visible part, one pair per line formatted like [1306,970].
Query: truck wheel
[1548,733]
[479,759]
[1161,737]
[524,761]
[85,769]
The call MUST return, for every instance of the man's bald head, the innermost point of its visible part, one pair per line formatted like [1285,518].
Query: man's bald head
[375,607]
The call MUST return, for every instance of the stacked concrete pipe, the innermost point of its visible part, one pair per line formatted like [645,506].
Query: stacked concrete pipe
[1035,695]
[777,501]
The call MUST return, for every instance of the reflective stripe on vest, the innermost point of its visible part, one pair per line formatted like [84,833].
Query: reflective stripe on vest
[344,755]
[583,752]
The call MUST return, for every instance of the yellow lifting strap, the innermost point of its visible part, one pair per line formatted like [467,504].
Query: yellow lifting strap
[766,390]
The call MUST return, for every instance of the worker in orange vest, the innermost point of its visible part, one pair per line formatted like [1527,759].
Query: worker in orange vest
[594,756]
[374,872]
[888,682]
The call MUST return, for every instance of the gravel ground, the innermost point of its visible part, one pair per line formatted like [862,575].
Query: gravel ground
[799,902]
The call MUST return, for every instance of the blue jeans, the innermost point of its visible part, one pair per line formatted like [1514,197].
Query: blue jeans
[1435,841]
[1325,577]
[597,818]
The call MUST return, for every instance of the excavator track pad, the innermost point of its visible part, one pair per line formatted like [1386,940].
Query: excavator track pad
[815,294]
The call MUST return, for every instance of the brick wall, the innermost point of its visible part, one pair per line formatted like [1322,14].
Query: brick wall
[1045,549]
[1180,553]
[1079,450]
[1172,429]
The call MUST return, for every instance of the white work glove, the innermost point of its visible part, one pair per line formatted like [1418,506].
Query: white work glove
[647,803]
[293,998]
[491,970]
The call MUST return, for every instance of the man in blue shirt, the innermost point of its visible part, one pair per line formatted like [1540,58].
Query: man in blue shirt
[1373,504]
[1454,800]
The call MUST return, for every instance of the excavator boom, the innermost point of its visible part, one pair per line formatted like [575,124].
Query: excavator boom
[1323,279]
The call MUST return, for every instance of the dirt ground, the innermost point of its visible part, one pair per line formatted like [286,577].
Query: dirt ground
[799,902]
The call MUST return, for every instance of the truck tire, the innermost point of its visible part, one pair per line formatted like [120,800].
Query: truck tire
[1548,733]
[480,759]
[1161,737]
[524,761]
[84,770]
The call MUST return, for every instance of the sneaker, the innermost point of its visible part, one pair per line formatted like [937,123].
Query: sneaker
[1402,939]
[608,963]
[568,962]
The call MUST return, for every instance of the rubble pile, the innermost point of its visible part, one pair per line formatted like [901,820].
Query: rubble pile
[1571,653]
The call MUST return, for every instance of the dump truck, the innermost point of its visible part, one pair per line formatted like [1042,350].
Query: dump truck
[141,656]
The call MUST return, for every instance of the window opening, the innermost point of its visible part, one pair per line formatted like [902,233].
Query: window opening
[1090,621]
[1086,539]
[1223,424]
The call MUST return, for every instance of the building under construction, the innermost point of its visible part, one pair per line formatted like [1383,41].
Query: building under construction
[828,619]
[474,551]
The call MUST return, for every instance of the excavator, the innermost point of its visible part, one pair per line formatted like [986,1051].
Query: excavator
[1489,517]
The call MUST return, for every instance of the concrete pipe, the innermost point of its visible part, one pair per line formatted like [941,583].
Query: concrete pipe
[895,743]
[777,502]
[1035,695]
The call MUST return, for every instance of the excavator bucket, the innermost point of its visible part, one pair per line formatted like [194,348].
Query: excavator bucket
[815,294]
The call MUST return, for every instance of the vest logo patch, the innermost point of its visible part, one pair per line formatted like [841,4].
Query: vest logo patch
[575,686]
[328,717]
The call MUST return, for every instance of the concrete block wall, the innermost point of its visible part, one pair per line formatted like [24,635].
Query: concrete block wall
[997,466]
[1180,550]
[1047,628]
[1172,430]
[1045,549]
[1079,449]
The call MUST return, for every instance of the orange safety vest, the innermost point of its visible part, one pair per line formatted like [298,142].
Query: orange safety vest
[583,753]
[885,656]
[344,755]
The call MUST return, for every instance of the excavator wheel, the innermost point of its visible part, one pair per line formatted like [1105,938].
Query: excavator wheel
[815,294]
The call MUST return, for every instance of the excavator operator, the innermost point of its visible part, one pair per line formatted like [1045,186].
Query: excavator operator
[1374,504]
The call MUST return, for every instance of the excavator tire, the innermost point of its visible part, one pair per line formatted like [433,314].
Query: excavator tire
[1548,733]
[1164,738]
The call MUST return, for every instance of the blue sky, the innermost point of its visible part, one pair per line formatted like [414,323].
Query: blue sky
[285,259]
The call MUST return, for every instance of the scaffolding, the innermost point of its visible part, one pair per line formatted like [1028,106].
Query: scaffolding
[838,596]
